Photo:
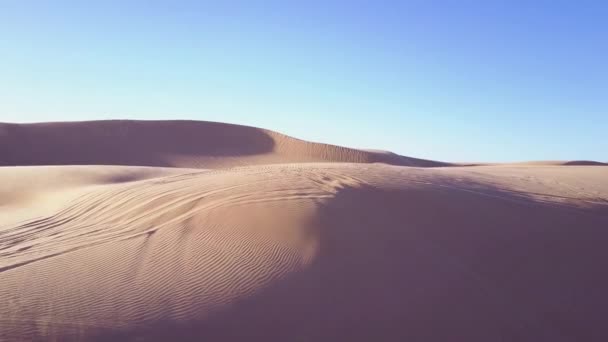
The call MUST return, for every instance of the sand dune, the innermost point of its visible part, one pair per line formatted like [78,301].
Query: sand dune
[189,144]
[548,163]
[294,251]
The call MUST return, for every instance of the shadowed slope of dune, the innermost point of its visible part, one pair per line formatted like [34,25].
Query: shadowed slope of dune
[483,270]
[189,144]
[124,142]
[316,252]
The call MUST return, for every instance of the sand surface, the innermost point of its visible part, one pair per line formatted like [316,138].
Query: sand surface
[290,241]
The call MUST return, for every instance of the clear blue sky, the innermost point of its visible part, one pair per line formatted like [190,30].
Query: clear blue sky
[449,80]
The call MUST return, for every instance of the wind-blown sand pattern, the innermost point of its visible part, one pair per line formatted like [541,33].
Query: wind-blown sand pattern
[293,241]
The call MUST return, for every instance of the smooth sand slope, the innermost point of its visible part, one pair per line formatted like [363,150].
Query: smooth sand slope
[303,252]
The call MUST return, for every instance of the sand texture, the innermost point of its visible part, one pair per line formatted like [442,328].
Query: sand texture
[194,231]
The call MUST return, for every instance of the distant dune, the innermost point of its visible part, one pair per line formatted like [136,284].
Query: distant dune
[564,163]
[190,234]
[190,144]
[584,162]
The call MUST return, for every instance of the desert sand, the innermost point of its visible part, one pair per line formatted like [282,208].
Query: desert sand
[180,230]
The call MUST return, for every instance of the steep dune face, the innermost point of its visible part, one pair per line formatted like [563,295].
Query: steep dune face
[313,252]
[187,144]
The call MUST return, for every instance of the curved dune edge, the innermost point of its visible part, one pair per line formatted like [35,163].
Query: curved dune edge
[185,144]
[319,252]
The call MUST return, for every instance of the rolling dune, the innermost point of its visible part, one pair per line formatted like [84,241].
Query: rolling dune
[187,144]
[290,250]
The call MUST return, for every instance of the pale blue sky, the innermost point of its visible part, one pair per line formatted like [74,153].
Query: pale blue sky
[448,80]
